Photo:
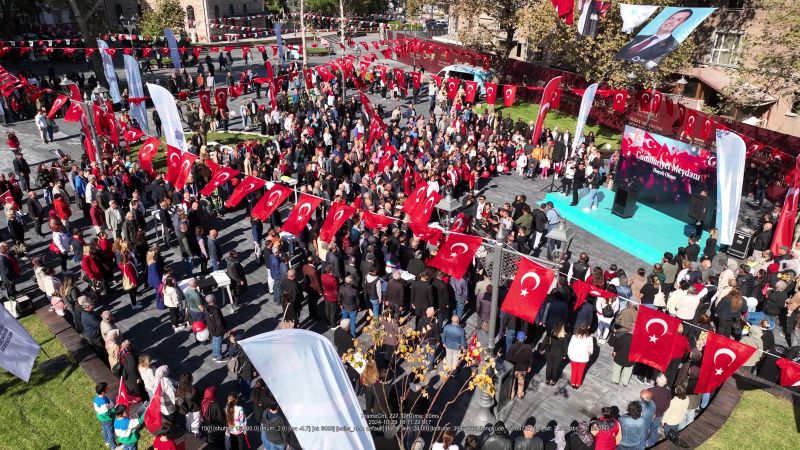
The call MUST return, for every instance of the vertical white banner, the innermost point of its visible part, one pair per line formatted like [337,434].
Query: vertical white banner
[135,90]
[583,113]
[108,69]
[164,103]
[18,350]
[172,44]
[634,15]
[730,175]
[286,359]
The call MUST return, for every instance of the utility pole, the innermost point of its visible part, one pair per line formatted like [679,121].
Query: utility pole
[341,26]
[486,402]
[303,33]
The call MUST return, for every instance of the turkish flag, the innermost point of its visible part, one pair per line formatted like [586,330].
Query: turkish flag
[400,78]
[308,78]
[437,79]
[132,134]
[123,398]
[422,213]
[564,9]
[470,89]
[270,201]
[415,199]
[113,130]
[219,176]
[301,214]
[60,101]
[707,129]
[7,197]
[784,229]
[221,98]
[654,337]
[528,291]
[268,67]
[147,153]
[790,372]
[690,122]
[416,80]
[326,74]
[98,115]
[338,214]
[452,88]
[456,254]
[547,97]
[184,169]
[74,112]
[509,94]
[152,415]
[460,224]
[656,106]
[646,101]
[364,67]
[89,148]
[205,101]
[426,233]
[491,93]
[248,185]
[583,289]
[236,90]
[375,221]
[721,358]
[173,162]
[620,101]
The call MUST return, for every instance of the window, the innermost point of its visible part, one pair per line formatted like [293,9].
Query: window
[118,12]
[736,4]
[519,50]
[216,12]
[726,48]
[190,13]
[796,104]
[230,10]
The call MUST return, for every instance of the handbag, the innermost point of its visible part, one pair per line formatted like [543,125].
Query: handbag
[659,301]
[127,285]
[283,324]
[20,248]
[54,248]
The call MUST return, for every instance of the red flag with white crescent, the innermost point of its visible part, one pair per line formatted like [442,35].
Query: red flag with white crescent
[205,101]
[416,80]
[58,103]
[528,291]
[547,97]
[364,67]
[415,198]
[74,112]
[123,398]
[784,229]
[583,289]
[452,87]
[113,128]
[790,372]
[654,336]
[424,210]
[491,93]
[620,101]
[656,106]
[173,163]
[246,186]
[707,128]
[721,358]
[460,223]
[301,214]
[690,122]
[470,89]
[426,233]
[308,78]
[132,134]
[270,201]
[219,176]
[152,415]
[509,94]
[375,221]
[147,153]
[455,254]
[338,214]
[184,169]
[221,98]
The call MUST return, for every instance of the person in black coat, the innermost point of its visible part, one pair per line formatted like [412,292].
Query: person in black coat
[35,212]
[235,272]
[553,311]
[380,398]
[578,181]
[292,295]
[130,372]
[342,339]
[692,249]
[421,295]
[623,367]
[586,314]
[521,356]
[215,321]
[555,352]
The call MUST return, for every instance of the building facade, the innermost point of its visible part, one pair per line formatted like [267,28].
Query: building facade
[200,14]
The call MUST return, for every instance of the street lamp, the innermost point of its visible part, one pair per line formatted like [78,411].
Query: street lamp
[563,235]
[65,84]
[129,25]
[100,93]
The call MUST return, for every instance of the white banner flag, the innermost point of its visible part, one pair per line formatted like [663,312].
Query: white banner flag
[172,44]
[290,359]
[731,151]
[634,15]
[583,114]
[18,350]
[164,103]
[108,69]
[135,90]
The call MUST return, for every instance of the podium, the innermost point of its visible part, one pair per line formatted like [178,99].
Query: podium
[624,202]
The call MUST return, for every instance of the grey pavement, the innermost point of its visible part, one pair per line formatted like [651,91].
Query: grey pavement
[150,331]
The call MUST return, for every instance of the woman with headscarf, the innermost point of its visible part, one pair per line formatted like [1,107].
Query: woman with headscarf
[130,372]
[213,418]
[167,392]
[112,346]
[581,438]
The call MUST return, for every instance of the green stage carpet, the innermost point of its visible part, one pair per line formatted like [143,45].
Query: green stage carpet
[646,235]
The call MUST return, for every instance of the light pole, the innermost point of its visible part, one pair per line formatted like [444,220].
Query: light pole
[129,25]
[87,113]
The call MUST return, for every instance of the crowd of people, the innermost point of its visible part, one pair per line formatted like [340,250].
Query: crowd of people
[118,231]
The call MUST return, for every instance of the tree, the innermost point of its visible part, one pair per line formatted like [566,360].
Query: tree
[18,12]
[771,57]
[166,14]
[322,7]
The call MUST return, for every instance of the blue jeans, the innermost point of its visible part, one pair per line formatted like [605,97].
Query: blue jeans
[108,434]
[652,435]
[244,388]
[187,266]
[216,347]
[593,197]
[353,316]
[376,307]
[134,446]
[704,400]
[510,335]
[668,428]
[269,445]
[460,308]
[214,265]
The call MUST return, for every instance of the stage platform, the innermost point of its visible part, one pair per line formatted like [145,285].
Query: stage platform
[646,235]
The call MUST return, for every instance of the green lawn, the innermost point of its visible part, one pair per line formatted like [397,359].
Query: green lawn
[528,112]
[761,421]
[54,410]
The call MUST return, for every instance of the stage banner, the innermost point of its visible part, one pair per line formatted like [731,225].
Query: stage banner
[662,35]
[108,69]
[164,103]
[135,90]
[325,413]
[731,151]
[583,113]
[279,40]
[666,172]
[18,350]
[174,54]
[634,15]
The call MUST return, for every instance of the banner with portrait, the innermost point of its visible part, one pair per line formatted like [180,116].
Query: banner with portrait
[662,35]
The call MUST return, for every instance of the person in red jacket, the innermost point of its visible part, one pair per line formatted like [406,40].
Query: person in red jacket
[130,278]
[12,141]
[330,293]
[97,216]
[62,209]
[162,440]
[91,265]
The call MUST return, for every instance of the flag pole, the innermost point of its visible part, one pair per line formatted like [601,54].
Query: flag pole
[485,401]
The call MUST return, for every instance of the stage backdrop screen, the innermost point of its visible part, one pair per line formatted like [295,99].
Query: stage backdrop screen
[666,172]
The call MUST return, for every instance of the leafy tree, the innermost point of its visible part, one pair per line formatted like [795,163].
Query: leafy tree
[776,64]
[322,7]
[166,14]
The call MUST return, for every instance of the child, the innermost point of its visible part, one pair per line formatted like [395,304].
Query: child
[162,440]
[103,409]
[126,429]
[77,243]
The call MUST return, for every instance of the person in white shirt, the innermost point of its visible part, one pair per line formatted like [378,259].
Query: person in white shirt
[579,351]
[43,124]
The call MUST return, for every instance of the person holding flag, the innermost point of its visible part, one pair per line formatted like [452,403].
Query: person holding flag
[126,429]
[104,410]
